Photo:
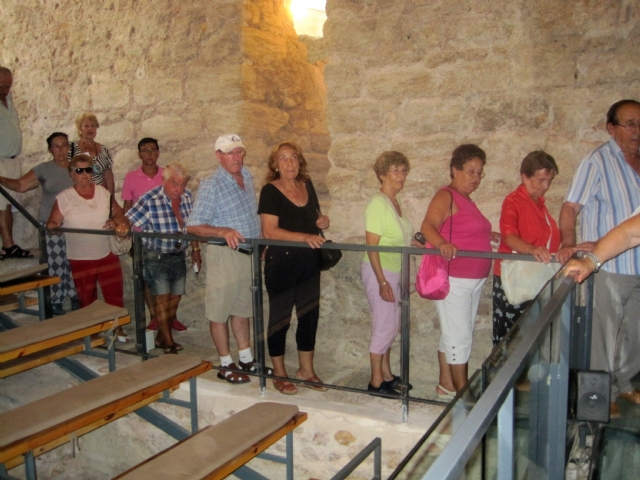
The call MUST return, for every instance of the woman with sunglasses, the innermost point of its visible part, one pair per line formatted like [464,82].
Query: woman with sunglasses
[87,206]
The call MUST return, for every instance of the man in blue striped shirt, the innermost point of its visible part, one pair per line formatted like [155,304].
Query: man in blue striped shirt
[226,208]
[605,191]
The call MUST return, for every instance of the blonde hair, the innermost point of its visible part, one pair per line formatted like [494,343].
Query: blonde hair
[80,158]
[86,116]
[175,169]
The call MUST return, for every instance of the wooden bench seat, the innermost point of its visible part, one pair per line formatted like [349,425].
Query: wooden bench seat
[84,407]
[26,347]
[14,285]
[218,450]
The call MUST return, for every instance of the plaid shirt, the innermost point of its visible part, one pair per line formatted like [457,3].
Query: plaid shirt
[222,203]
[153,213]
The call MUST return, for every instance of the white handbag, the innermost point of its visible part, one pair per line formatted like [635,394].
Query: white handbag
[119,246]
[522,280]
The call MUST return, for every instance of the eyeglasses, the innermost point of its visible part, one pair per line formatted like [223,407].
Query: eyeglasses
[399,171]
[81,170]
[629,127]
[149,150]
[480,174]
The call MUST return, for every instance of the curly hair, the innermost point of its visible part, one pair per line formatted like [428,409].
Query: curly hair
[388,159]
[463,153]
[86,116]
[272,162]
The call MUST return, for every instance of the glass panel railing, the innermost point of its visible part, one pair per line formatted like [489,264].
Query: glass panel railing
[432,444]
[509,432]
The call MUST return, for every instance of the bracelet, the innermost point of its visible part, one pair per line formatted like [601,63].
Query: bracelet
[596,261]
[195,249]
[384,283]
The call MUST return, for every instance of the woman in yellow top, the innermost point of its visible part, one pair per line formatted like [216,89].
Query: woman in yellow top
[386,225]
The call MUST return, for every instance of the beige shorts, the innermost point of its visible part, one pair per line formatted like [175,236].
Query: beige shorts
[228,284]
[10,168]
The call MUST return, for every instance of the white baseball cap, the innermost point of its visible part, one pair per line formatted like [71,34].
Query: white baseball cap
[226,143]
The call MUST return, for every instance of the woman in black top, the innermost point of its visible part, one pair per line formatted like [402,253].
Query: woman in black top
[289,210]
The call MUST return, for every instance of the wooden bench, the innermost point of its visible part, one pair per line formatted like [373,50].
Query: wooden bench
[14,285]
[38,343]
[218,450]
[47,423]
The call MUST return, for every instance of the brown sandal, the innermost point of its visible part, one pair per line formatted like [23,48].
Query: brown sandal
[284,387]
[313,379]
[232,377]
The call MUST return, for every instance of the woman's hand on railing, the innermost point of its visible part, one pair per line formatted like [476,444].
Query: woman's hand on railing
[314,241]
[581,268]
[448,250]
[541,254]
[122,230]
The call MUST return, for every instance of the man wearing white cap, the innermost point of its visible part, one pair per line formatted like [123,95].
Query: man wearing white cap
[226,208]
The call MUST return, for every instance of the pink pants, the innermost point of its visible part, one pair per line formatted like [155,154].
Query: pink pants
[385,316]
[106,271]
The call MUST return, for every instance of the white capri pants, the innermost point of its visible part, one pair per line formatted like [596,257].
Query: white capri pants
[457,314]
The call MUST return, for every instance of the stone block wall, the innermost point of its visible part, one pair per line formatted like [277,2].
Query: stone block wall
[423,76]
[182,72]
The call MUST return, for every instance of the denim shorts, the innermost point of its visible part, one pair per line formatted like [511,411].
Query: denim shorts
[165,272]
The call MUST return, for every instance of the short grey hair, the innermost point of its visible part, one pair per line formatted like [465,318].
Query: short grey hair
[175,169]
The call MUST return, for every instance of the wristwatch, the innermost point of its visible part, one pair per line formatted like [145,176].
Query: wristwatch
[596,261]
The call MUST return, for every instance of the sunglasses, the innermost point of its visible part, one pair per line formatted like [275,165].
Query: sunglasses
[82,170]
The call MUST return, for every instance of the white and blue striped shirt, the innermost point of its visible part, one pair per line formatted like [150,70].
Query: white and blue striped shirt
[609,191]
[222,203]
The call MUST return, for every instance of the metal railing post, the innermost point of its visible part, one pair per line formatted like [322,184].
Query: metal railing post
[258,313]
[405,328]
[138,295]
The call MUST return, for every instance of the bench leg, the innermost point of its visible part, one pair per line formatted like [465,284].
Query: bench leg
[30,466]
[4,475]
[193,394]
[290,455]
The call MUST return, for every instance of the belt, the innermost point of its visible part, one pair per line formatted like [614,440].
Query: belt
[161,254]
[13,156]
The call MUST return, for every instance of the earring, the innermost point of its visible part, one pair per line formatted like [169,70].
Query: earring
[276,169]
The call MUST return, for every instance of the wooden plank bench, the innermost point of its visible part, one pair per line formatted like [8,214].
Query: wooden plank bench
[218,450]
[14,285]
[35,344]
[44,424]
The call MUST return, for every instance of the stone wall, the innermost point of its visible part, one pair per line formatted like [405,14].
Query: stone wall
[423,76]
[182,72]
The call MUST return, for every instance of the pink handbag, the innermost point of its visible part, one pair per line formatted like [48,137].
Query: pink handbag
[432,279]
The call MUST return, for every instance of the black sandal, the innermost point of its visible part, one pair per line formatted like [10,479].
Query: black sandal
[16,252]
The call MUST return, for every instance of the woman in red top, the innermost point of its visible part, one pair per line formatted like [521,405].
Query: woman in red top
[526,227]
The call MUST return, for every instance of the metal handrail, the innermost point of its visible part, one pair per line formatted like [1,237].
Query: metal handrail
[374,446]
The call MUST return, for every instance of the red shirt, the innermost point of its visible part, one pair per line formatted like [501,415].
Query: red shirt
[528,220]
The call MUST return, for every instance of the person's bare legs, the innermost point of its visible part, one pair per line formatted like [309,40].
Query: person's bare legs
[460,375]
[380,367]
[279,369]
[151,303]
[446,378]
[240,327]
[166,308]
[453,377]
[306,370]
[220,336]
[6,227]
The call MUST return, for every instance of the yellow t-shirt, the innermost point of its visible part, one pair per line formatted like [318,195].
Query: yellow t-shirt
[381,218]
